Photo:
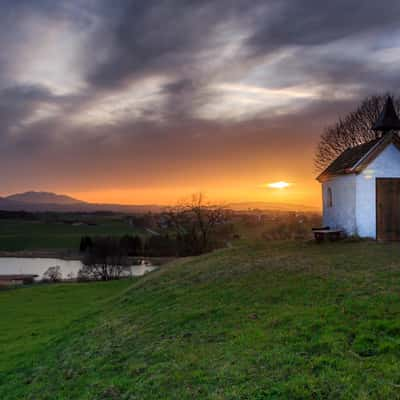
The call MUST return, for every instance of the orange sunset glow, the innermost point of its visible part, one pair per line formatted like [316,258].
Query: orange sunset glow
[222,189]
[273,192]
[134,116]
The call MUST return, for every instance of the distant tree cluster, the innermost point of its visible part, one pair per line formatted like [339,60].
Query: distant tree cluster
[127,244]
[131,245]
[349,131]
[85,244]
[104,260]
[161,246]
[189,229]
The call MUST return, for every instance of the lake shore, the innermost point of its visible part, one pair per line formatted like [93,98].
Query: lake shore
[70,255]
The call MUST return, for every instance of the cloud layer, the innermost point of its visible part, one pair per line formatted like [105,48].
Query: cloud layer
[98,95]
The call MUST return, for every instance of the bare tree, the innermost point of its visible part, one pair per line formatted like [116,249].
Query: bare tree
[196,221]
[349,131]
[106,260]
[52,274]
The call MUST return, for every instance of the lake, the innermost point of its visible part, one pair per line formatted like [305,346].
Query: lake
[37,266]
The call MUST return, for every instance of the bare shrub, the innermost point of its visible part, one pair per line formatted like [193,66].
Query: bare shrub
[195,224]
[52,274]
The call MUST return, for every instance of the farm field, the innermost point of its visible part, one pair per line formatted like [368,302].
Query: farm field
[19,234]
[260,320]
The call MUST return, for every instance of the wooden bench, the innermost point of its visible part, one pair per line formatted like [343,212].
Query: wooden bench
[327,234]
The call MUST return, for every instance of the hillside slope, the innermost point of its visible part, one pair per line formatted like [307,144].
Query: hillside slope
[257,321]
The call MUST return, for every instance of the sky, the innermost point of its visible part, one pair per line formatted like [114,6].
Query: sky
[146,102]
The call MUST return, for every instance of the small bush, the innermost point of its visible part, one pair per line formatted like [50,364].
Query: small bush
[53,274]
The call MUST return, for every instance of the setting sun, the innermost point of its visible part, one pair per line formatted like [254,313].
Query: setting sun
[278,185]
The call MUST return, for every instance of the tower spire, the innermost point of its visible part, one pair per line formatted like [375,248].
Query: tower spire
[388,119]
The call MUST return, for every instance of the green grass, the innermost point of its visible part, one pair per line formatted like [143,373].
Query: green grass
[257,321]
[20,234]
[33,316]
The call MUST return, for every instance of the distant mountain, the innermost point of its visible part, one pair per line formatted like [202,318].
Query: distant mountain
[46,201]
[43,198]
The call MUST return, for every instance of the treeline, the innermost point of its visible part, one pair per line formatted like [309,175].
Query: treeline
[190,229]
[163,245]
[24,215]
[107,258]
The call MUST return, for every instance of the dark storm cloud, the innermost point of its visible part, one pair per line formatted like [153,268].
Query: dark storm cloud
[188,44]
[19,102]
[140,39]
[314,22]
[143,38]
[310,25]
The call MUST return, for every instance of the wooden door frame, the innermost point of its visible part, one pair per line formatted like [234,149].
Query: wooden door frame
[376,203]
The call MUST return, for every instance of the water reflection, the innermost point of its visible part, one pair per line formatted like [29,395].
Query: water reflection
[69,268]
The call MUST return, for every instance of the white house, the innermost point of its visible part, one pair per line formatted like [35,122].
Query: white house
[361,188]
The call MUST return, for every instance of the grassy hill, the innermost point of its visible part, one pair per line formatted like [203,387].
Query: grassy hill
[256,321]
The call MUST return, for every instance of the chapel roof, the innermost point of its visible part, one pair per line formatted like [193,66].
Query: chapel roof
[355,159]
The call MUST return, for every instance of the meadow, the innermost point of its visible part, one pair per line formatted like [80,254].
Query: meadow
[259,320]
[33,316]
[45,234]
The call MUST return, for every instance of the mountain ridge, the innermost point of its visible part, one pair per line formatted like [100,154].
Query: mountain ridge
[38,197]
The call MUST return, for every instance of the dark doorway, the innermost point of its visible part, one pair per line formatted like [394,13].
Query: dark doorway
[388,208]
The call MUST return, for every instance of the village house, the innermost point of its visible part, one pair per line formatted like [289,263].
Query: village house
[361,188]
[17,279]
